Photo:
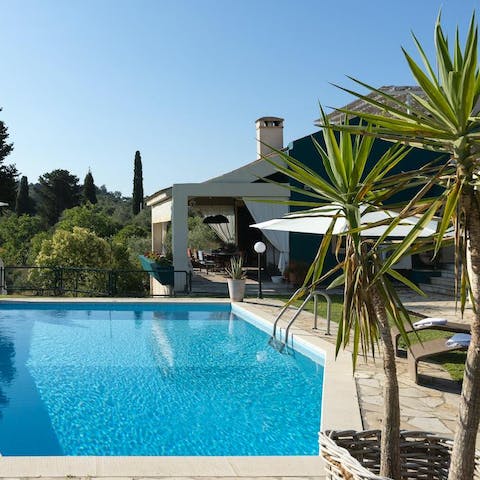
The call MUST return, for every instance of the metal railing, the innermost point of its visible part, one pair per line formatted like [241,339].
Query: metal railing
[73,281]
[280,344]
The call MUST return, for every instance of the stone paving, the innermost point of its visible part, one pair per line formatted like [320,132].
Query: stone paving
[215,284]
[432,407]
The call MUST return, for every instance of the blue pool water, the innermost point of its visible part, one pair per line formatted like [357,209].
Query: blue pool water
[145,379]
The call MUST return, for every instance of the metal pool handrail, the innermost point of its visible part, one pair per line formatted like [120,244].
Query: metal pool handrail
[329,309]
[277,343]
[282,311]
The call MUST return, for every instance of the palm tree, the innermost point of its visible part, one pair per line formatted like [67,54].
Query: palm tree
[446,120]
[369,298]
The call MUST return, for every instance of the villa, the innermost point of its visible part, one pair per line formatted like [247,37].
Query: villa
[233,195]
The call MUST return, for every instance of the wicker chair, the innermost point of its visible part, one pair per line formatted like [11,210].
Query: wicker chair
[351,455]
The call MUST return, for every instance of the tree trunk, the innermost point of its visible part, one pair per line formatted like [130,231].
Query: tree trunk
[390,445]
[463,454]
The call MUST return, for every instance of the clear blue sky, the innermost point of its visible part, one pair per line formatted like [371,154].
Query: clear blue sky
[86,83]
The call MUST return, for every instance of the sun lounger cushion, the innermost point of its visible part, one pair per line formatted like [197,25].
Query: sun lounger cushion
[459,340]
[429,322]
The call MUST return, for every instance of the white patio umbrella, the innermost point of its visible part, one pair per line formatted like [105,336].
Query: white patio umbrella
[318,220]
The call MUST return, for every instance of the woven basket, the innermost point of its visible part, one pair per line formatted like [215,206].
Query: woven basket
[351,455]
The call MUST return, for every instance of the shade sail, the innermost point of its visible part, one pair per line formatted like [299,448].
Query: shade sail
[261,211]
[317,221]
[162,213]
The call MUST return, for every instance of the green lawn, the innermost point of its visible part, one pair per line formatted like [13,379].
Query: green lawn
[453,362]
[337,305]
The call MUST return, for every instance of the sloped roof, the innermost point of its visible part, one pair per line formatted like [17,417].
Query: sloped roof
[403,93]
[249,173]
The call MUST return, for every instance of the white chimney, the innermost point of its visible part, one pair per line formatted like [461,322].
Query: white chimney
[269,134]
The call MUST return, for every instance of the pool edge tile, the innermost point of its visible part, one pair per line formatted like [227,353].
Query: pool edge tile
[164,466]
[278,466]
[122,467]
[47,466]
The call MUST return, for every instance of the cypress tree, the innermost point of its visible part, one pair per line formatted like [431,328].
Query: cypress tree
[89,189]
[23,204]
[137,203]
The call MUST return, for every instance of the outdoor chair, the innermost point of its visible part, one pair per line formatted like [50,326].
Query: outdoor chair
[421,351]
[204,262]
[193,257]
[429,323]
[351,455]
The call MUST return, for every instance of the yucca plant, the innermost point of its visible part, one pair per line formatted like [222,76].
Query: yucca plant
[235,271]
[445,120]
[352,190]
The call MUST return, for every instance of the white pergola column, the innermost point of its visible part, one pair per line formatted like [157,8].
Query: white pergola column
[159,230]
[180,234]
[158,236]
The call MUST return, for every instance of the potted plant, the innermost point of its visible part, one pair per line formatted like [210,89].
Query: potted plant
[236,282]
[158,266]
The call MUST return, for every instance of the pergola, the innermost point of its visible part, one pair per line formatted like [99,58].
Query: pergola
[239,186]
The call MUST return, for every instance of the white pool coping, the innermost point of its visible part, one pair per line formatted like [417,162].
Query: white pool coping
[161,467]
[340,410]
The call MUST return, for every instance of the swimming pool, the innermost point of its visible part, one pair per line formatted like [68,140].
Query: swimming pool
[150,379]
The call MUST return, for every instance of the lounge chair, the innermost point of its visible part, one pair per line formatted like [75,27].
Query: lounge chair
[429,323]
[193,258]
[204,262]
[421,351]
